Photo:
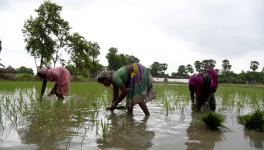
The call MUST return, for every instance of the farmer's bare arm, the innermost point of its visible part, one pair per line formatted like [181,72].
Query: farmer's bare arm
[122,94]
[43,88]
[117,97]
[192,94]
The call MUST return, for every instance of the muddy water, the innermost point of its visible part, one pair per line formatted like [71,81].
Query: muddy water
[80,123]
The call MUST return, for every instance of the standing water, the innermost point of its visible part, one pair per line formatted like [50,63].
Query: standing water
[81,121]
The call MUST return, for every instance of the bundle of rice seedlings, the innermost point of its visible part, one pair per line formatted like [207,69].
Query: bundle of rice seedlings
[213,120]
[253,121]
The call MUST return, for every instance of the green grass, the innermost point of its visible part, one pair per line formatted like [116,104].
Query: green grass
[253,121]
[25,77]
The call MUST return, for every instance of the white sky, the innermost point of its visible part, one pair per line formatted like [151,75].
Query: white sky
[176,32]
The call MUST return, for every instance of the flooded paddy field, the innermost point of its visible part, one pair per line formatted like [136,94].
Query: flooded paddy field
[82,122]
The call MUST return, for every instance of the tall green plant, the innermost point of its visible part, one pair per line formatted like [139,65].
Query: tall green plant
[45,34]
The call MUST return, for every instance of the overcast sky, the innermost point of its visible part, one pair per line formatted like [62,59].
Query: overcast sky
[176,32]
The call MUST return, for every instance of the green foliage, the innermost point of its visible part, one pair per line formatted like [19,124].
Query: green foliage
[253,121]
[158,69]
[183,71]
[46,33]
[25,77]
[213,120]
[116,61]
[254,65]
[243,77]
[226,65]
[95,67]
[198,66]
[204,65]
[83,56]
[189,69]
[24,70]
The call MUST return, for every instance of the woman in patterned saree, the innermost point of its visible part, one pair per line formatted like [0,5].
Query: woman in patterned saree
[133,82]
[60,75]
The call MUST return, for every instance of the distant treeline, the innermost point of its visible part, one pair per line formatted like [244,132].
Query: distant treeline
[242,78]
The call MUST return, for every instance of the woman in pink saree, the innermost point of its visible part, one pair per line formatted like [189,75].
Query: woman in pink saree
[202,88]
[61,76]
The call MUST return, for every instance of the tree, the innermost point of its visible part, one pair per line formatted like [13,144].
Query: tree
[24,70]
[208,64]
[113,59]
[226,65]
[94,52]
[198,66]
[182,71]
[254,65]
[189,69]
[158,69]
[116,61]
[130,59]
[46,34]
[79,51]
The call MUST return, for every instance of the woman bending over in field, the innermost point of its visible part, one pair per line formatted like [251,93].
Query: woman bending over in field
[202,88]
[133,81]
[61,76]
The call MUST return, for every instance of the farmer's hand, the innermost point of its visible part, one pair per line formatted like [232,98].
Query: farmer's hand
[52,92]
[112,108]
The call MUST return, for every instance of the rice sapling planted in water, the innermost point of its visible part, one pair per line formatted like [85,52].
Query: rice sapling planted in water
[213,120]
[253,121]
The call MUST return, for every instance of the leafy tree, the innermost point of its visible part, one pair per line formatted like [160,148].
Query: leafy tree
[116,61]
[182,71]
[46,34]
[226,65]
[113,58]
[130,59]
[189,69]
[79,51]
[208,63]
[24,70]
[94,52]
[198,66]
[174,74]
[254,65]
[158,69]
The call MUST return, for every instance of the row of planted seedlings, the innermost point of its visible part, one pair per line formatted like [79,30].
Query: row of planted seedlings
[51,121]
[239,99]
[172,97]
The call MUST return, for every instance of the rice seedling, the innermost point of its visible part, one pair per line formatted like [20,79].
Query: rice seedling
[213,120]
[253,121]
[104,128]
